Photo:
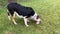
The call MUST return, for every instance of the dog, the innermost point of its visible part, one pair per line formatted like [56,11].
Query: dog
[22,12]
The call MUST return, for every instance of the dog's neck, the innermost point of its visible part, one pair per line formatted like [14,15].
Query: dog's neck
[34,16]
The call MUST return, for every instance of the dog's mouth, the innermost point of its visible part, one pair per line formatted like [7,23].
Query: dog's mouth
[38,22]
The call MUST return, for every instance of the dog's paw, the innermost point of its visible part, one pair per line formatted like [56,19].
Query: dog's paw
[15,23]
[27,25]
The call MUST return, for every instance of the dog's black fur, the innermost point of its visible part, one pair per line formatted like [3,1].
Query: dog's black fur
[21,10]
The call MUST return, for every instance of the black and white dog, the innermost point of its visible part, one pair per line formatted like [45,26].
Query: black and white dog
[22,12]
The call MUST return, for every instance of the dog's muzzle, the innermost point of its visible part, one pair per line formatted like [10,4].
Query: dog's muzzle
[38,21]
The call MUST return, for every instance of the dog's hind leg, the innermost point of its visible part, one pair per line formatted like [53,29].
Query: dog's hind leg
[12,17]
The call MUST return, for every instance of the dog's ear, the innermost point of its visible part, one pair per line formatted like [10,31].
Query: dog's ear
[37,17]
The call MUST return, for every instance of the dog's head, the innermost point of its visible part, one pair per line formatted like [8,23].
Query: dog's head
[36,18]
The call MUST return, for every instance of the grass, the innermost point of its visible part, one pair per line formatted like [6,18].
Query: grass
[49,12]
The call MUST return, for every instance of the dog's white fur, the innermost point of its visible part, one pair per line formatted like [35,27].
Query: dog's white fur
[34,16]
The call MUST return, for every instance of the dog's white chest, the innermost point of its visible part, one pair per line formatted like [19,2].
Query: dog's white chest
[34,16]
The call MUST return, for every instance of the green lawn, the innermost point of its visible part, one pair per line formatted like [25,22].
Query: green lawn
[48,11]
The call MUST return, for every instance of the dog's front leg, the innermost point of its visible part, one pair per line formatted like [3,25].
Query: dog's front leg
[25,21]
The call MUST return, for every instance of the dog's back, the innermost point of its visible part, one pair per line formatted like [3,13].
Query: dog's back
[21,10]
